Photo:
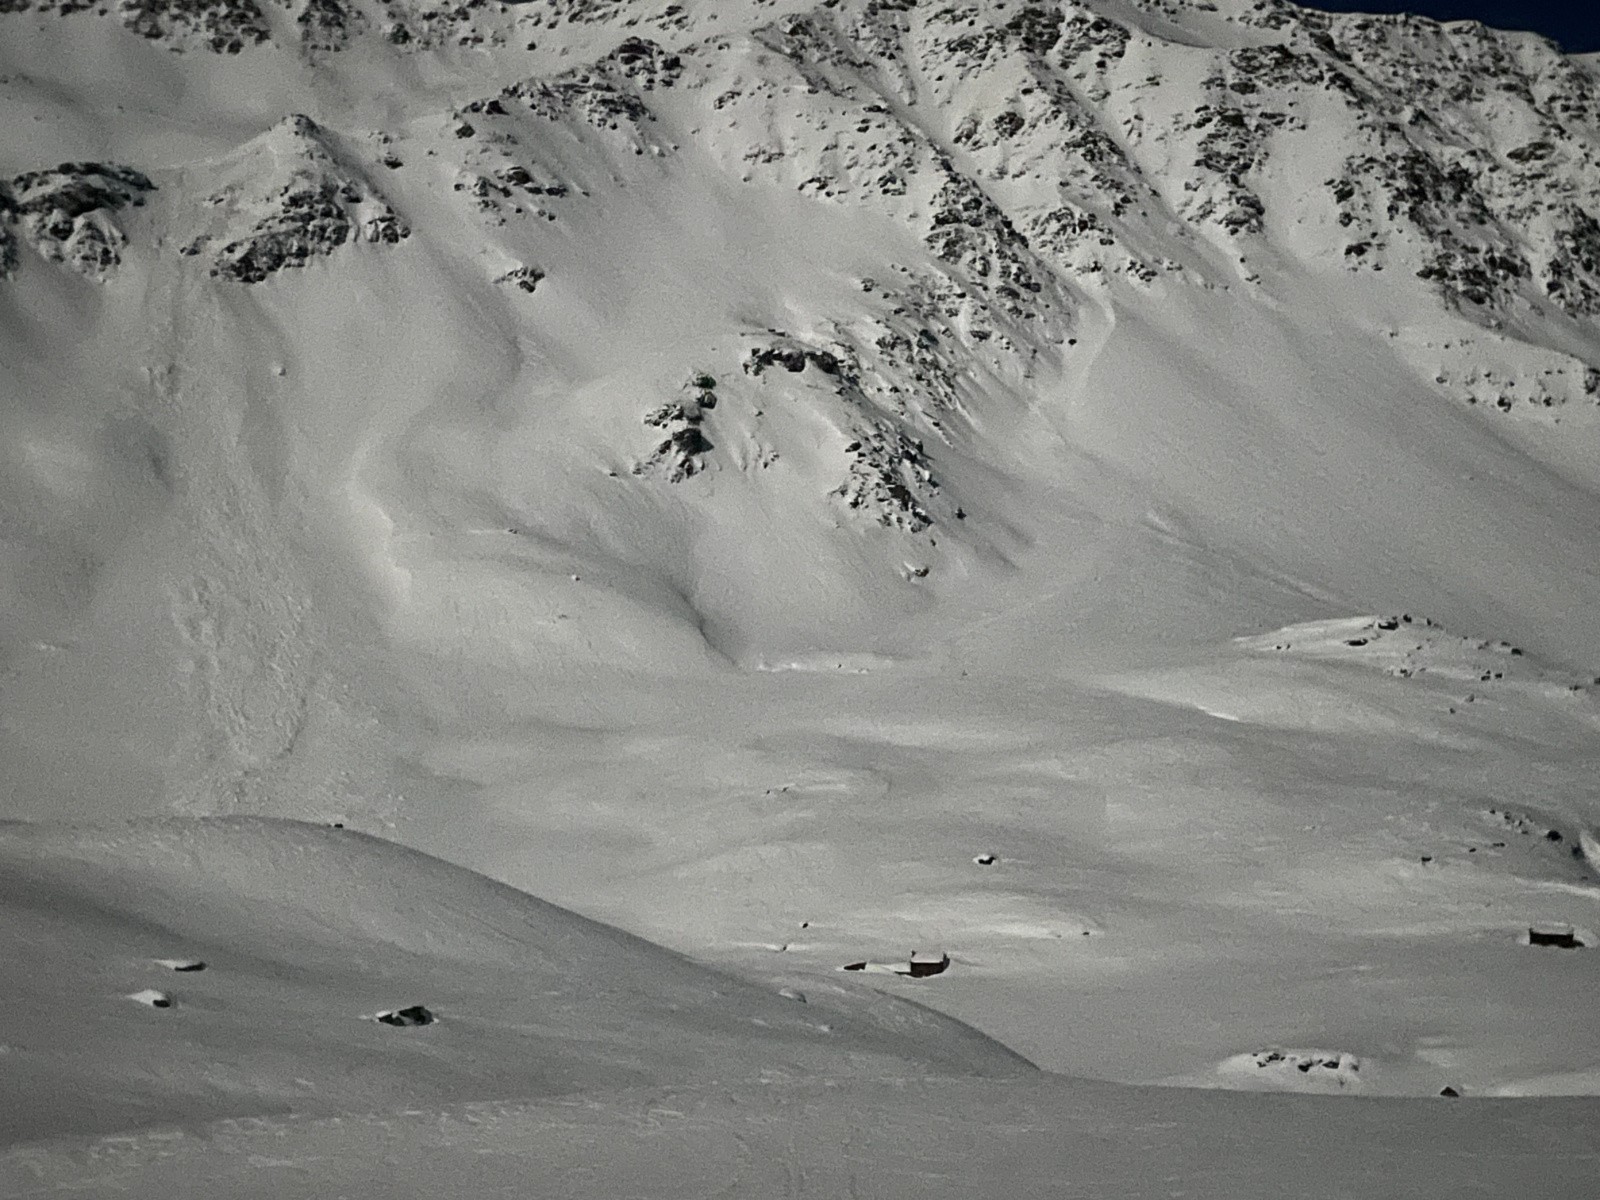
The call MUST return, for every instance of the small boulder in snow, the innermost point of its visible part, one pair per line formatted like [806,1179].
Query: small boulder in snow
[414,1014]
[182,964]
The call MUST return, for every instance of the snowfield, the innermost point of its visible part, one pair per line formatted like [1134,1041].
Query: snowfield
[1097,496]
[625,1069]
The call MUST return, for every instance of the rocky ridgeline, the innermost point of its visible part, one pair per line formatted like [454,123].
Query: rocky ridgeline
[220,26]
[1480,153]
[1467,155]
[1048,148]
[68,214]
[286,199]
[1044,151]
[819,122]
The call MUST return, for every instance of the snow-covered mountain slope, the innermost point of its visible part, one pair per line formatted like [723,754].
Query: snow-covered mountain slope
[725,467]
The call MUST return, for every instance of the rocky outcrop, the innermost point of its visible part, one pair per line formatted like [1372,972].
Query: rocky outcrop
[291,199]
[681,454]
[222,26]
[888,477]
[68,214]
[328,24]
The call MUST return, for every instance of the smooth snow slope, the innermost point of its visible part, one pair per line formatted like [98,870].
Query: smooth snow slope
[306,933]
[635,1071]
[1064,360]
[898,1139]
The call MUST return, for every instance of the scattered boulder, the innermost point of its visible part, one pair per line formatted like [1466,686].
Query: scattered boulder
[526,278]
[152,998]
[410,1016]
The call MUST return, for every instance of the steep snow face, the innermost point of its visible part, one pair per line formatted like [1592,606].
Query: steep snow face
[721,464]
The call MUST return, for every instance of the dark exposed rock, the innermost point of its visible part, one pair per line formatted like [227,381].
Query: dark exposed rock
[327,24]
[681,454]
[310,219]
[314,205]
[645,62]
[791,357]
[222,26]
[887,477]
[526,278]
[67,213]
[409,1017]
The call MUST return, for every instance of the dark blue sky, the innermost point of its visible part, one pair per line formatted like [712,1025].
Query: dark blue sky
[1573,23]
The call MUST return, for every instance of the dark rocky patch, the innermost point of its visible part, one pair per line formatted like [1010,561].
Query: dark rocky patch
[310,220]
[321,207]
[221,26]
[327,24]
[409,1017]
[67,213]
[526,278]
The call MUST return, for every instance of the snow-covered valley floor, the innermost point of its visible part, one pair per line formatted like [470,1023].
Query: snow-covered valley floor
[197,1015]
